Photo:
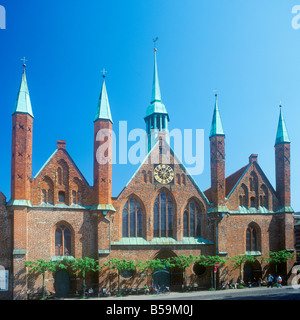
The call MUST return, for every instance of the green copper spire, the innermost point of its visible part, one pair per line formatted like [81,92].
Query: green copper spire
[216,126]
[103,109]
[156,105]
[156,95]
[23,104]
[282,134]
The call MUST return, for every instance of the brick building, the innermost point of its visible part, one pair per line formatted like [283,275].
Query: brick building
[160,213]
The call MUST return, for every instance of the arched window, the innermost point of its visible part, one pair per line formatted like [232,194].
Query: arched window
[163,216]
[132,219]
[44,196]
[251,239]
[192,220]
[59,180]
[253,181]
[61,197]
[243,196]
[264,196]
[62,241]
[144,176]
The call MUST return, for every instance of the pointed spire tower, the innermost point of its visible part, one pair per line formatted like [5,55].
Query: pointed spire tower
[21,164]
[217,159]
[157,117]
[103,126]
[282,163]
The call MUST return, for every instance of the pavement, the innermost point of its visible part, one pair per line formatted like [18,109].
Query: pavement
[211,295]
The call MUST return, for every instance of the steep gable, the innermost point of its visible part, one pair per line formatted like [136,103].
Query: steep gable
[250,190]
[60,176]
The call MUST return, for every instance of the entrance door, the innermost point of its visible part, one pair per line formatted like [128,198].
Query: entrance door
[62,283]
[162,277]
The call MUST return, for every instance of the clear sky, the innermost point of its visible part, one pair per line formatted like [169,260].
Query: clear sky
[247,50]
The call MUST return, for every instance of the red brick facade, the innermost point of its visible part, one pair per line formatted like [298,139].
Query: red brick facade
[59,199]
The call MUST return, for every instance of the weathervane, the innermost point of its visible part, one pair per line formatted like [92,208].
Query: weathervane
[155,40]
[216,92]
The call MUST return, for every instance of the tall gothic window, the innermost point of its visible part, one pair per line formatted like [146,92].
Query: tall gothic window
[163,216]
[62,241]
[192,220]
[251,239]
[132,219]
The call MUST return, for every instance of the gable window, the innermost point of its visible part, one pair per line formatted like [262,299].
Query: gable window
[44,196]
[163,216]
[132,219]
[62,241]
[61,197]
[192,220]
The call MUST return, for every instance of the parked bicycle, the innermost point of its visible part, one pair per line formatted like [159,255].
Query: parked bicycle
[163,290]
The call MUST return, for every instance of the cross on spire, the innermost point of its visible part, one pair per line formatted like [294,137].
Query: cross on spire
[104,72]
[24,61]
[154,41]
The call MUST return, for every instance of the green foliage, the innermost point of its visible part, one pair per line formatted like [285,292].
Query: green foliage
[82,266]
[278,257]
[41,266]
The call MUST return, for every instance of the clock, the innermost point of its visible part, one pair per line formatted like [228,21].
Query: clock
[164,174]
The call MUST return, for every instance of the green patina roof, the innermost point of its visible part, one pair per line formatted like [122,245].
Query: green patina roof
[23,104]
[103,109]
[282,133]
[156,105]
[216,126]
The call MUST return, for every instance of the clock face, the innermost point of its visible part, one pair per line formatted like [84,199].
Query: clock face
[164,174]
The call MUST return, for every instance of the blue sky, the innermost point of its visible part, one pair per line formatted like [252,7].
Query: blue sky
[247,50]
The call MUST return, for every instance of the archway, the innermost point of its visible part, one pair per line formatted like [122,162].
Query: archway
[171,277]
[62,283]
[252,271]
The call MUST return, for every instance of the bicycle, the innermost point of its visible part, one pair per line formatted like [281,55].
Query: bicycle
[163,290]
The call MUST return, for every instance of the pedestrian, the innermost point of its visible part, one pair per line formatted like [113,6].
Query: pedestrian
[279,281]
[270,281]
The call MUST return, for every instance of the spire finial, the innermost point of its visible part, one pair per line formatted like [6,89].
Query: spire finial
[216,93]
[104,72]
[154,41]
[280,104]
[24,62]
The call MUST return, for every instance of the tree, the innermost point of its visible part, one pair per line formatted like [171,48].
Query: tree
[82,266]
[209,262]
[238,260]
[278,257]
[121,265]
[183,262]
[154,265]
[42,266]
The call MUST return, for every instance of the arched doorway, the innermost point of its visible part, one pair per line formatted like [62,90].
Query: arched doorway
[62,283]
[171,277]
[252,271]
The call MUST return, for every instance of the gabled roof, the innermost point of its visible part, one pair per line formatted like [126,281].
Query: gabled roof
[23,103]
[230,182]
[69,158]
[178,162]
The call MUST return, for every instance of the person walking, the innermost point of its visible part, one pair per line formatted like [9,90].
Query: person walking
[279,281]
[270,281]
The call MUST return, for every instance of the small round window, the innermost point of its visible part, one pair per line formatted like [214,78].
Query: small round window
[199,269]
